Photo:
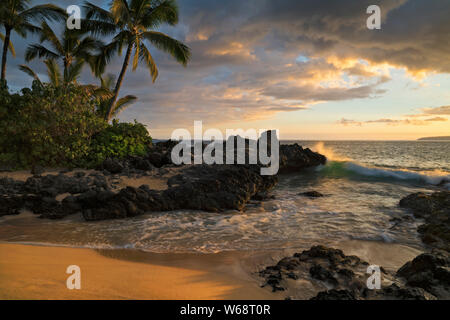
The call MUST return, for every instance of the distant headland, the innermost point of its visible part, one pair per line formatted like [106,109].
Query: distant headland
[446,138]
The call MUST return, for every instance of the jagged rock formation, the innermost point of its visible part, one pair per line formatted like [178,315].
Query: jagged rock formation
[344,277]
[207,188]
[212,188]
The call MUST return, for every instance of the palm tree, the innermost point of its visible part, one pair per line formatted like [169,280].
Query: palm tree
[132,22]
[16,15]
[106,93]
[69,48]
[57,79]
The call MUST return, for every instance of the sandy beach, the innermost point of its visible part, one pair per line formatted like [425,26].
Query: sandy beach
[38,272]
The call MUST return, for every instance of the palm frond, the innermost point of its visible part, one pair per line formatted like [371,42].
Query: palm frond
[175,48]
[74,72]
[122,38]
[139,7]
[96,13]
[98,27]
[53,72]
[87,47]
[44,11]
[122,104]
[120,11]
[22,29]
[164,12]
[136,55]
[36,50]
[30,72]
[99,62]
[148,59]
[47,34]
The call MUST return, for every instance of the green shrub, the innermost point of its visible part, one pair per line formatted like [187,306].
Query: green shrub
[48,126]
[120,140]
[58,127]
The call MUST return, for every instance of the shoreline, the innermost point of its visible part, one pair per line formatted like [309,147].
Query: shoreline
[31,272]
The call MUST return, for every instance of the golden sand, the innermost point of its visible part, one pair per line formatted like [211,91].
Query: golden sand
[38,272]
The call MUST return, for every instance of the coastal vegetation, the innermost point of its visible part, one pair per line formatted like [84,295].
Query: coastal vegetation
[65,122]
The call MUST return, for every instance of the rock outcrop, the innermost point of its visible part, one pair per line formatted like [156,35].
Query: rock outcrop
[212,188]
[325,265]
[343,277]
[435,210]
[294,158]
[207,188]
[38,193]
[430,272]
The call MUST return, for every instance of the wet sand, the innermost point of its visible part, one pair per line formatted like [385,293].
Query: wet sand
[39,272]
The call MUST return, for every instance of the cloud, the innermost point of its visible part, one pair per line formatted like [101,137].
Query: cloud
[246,66]
[441,114]
[437,119]
[392,122]
[251,48]
[312,93]
[348,122]
[413,35]
[445,110]
[436,111]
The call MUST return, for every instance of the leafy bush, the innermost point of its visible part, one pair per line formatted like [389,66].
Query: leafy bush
[58,127]
[48,125]
[120,140]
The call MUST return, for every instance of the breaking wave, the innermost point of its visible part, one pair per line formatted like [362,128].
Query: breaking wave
[340,169]
[340,166]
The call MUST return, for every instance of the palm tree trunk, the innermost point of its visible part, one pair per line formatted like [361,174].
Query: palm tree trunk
[5,51]
[119,82]
[66,71]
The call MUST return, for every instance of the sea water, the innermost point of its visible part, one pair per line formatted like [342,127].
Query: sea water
[363,183]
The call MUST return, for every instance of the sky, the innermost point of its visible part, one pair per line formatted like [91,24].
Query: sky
[309,68]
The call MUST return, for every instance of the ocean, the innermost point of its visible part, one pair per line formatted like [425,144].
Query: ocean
[363,183]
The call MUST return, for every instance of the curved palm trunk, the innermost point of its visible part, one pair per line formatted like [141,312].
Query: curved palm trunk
[5,51]
[119,82]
